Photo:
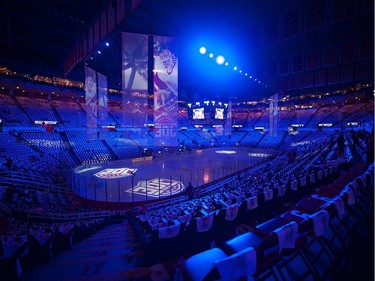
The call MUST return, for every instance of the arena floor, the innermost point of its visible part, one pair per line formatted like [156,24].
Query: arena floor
[150,178]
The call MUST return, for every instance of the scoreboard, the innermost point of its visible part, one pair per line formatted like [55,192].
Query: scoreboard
[207,113]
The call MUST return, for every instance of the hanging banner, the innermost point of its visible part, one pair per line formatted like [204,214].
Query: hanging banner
[134,80]
[91,103]
[165,91]
[291,23]
[102,105]
[135,87]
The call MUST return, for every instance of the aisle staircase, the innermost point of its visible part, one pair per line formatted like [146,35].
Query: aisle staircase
[112,253]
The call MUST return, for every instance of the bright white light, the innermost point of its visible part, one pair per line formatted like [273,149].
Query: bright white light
[220,59]
[225,151]
[99,52]
[107,44]
[211,55]
[202,50]
[226,63]
[235,68]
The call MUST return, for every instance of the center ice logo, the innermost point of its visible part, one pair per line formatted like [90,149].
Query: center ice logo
[115,173]
[158,187]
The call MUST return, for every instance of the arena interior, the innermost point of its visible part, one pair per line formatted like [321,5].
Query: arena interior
[187,140]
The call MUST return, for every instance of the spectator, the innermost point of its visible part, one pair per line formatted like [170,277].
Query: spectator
[190,191]
[57,242]
[9,162]
[370,147]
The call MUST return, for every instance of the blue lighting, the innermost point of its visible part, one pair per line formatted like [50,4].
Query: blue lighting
[220,59]
[99,52]
[202,50]
[107,44]
[206,48]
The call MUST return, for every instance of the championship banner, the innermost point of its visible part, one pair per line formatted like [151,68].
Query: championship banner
[297,63]
[312,60]
[348,52]
[347,73]
[329,56]
[308,80]
[91,103]
[363,71]
[102,105]
[165,91]
[320,78]
[333,76]
[316,15]
[134,80]
[291,23]
[284,66]
[298,82]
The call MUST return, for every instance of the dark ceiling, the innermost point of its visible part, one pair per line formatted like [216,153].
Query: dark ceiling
[37,36]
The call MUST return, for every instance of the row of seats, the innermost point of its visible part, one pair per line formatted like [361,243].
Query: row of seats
[25,245]
[241,189]
[313,232]
[194,223]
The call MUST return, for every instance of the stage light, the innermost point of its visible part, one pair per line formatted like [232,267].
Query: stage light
[235,68]
[202,50]
[220,59]
[211,55]
[226,63]
[107,44]
[99,52]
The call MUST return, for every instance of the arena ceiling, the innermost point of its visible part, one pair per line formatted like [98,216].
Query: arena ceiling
[36,36]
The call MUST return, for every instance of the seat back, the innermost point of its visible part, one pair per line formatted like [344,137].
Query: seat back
[287,235]
[199,266]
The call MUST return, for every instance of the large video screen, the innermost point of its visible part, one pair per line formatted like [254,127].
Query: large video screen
[198,113]
[219,113]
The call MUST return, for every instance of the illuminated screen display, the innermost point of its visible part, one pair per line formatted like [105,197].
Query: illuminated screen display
[198,113]
[219,113]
